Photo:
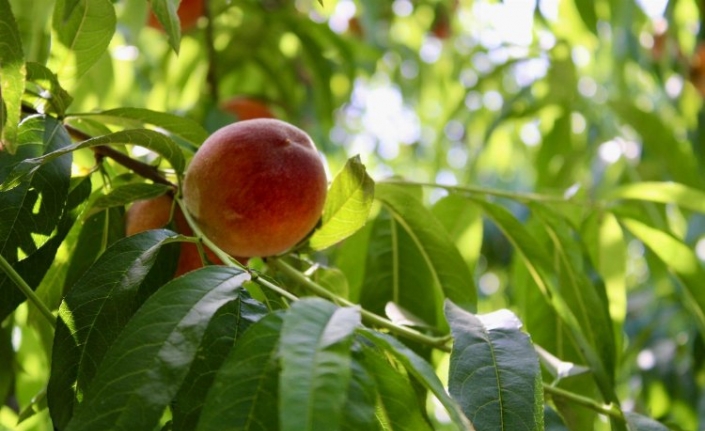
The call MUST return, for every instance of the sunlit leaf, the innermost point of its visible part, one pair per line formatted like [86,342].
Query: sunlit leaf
[347,205]
[661,192]
[12,78]
[84,29]
[48,95]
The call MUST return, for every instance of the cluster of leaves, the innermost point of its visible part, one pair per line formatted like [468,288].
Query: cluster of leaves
[372,323]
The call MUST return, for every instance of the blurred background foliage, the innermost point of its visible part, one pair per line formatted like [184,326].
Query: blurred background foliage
[563,98]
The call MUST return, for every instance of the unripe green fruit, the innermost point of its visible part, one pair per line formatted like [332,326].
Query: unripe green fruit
[256,187]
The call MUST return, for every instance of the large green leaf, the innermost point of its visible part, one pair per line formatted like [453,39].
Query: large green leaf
[95,311]
[396,272]
[680,259]
[422,371]
[147,363]
[245,389]
[155,141]
[463,221]
[84,29]
[227,325]
[432,240]
[44,91]
[315,360]
[34,217]
[359,411]
[347,205]
[494,371]
[133,118]
[12,78]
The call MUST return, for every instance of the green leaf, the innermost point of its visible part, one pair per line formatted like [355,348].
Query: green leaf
[182,127]
[421,371]
[95,311]
[398,407]
[494,371]
[439,253]
[661,192]
[125,194]
[47,95]
[150,139]
[166,13]
[245,390]
[84,29]
[315,360]
[680,259]
[34,217]
[149,360]
[396,271]
[639,422]
[228,324]
[586,9]
[347,205]
[463,221]
[12,78]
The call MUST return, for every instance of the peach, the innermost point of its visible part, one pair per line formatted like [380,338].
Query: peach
[189,12]
[256,187]
[154,214]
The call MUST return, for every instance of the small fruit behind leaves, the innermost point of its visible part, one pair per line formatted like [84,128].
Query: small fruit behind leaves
[256,187]
[247,108]
[154,214]
[189,13]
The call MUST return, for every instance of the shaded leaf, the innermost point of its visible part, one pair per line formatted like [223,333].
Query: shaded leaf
[228,324]
[421,371]
[149,360]
[494,371]
[639,422]
[123,195]
[245,389]
[347,205]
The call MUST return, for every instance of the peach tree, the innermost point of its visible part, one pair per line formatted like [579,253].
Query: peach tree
[415,303]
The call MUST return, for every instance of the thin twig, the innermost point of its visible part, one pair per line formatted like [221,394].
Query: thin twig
[606,409]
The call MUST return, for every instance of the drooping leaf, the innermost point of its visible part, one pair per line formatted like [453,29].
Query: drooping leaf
[680,259]
[421,371]
[463,221]
[440,254]
[245,389]
[347,205]
[126,194]
[229,323]
[165,11]
[661,192]
[359,413]
[12,78]
[34,218]
[155,141]
[95,311]
[47,95]
[494,371]
[146,364]
[540,266]
[84,29]
[315,360]
[132,118]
